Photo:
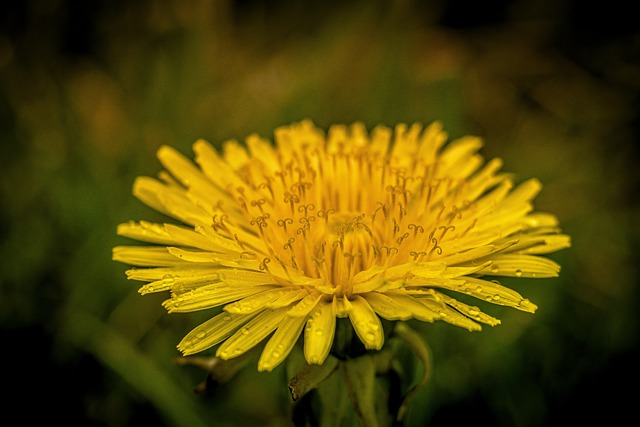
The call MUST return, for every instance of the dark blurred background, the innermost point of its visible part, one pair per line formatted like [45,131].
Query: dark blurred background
[90,89]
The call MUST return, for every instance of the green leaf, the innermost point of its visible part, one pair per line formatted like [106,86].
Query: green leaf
[420,349]
[310,377]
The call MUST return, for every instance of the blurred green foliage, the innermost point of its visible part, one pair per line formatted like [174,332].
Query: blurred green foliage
[89,91]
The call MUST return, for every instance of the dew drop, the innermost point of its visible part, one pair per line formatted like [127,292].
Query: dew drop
[276,354]
[524,303]
[479,289]
[226,317]
[150,288]
[245,331]
[496,297]
[168,279]
[309,325]
[319,332]
[518,272]
[201,335]
[495,268]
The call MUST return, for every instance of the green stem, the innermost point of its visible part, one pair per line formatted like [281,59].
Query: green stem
[360,376]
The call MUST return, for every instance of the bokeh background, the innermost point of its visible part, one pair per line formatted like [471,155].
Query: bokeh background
[90,89]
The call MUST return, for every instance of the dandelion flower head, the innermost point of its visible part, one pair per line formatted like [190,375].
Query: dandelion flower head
[287,237]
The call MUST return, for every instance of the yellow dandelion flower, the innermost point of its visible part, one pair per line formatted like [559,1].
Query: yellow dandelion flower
[288,238]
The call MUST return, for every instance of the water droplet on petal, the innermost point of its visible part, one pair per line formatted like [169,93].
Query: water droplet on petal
[200,335]
[518,272]
[495,268]
[168,279]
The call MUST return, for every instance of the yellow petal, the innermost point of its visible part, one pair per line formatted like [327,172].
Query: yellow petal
[521,266]
[418,310]
[179,206]
[281,343]
[459,151]
[288,298]
[235,154]
[212,332]
[432,139]
[456,318]
[524,193]
[366,323]
[148,191]
[319,332]
[251,334]
[174,281]
[541,244]
[341,306]
[387,307]
[257,301]
[484,179]
[460,257]
[208,297]
[240,277]
[184,170]
[146,232]
[263,150]
[184,270]
[145,256]
[214,167]
[193,256]
[189,237]
[306,304]
[495,293]
[472,312]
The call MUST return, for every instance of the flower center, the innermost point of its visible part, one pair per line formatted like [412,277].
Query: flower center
[330,212]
